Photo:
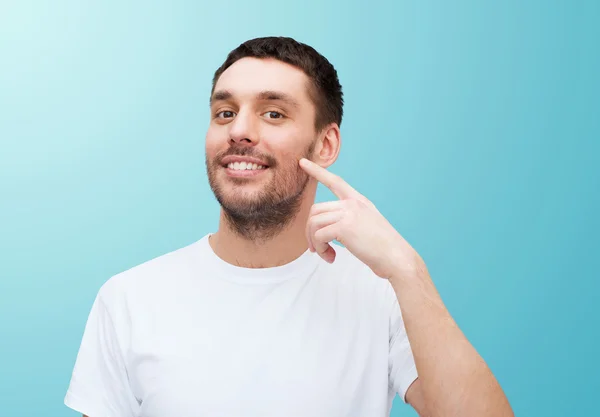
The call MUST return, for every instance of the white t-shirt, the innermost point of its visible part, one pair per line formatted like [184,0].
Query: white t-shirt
[189,335]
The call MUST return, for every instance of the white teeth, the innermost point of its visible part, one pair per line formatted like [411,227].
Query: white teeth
[241,166]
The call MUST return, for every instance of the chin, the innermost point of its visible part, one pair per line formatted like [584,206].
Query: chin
[236,188]
[239,197]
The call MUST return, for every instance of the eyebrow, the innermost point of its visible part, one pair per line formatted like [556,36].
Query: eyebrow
[268,95]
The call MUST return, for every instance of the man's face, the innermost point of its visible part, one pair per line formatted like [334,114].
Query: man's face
[262,123]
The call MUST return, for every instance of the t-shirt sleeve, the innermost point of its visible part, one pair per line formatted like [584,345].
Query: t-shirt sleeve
[99,385]
[402,369]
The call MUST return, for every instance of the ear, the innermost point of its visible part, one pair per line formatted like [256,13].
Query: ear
[328,146]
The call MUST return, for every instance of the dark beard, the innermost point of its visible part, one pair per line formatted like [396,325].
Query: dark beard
[274,208]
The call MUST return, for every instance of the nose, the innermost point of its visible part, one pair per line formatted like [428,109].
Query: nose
[243,129]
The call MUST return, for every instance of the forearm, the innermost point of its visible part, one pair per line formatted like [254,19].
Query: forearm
[454,378]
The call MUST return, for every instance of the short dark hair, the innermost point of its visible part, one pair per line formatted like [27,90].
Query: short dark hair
[325,90]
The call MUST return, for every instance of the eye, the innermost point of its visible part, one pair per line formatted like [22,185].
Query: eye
[274,115]
[226,114]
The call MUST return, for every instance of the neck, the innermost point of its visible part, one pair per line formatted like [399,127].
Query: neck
[276,250]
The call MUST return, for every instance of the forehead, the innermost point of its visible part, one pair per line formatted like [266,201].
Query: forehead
[248,77]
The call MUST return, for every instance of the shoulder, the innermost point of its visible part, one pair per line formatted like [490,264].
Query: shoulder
[151,277]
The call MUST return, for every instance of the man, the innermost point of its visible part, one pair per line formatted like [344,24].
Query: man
[268,316]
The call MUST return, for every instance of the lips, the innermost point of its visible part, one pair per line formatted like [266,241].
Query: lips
[232,159]
[243,166]
[243,170]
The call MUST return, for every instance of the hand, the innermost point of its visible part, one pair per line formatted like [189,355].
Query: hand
[355,222]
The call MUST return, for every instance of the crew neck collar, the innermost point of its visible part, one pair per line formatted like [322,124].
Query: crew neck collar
[299,267]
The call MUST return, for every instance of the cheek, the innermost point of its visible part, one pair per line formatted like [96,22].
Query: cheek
[212,143]
[285,143]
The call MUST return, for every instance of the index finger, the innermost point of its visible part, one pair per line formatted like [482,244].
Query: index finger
[336,184]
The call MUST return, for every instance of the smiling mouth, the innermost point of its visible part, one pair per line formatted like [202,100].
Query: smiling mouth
[245,166]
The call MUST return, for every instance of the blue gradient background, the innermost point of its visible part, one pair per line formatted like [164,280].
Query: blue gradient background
[473,126]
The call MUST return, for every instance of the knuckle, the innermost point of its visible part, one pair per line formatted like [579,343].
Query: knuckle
[353,203]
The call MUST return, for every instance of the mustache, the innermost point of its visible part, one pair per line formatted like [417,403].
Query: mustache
[245,151]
